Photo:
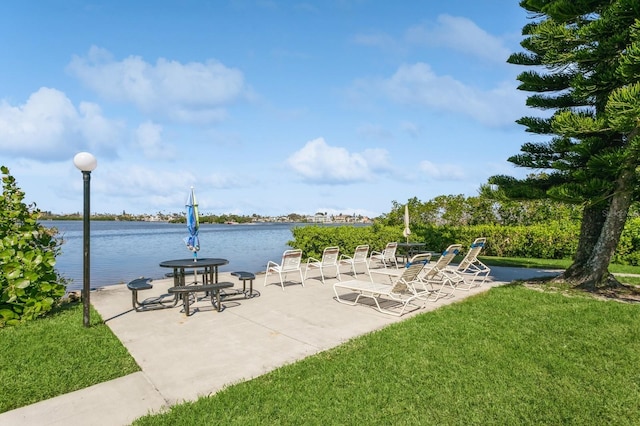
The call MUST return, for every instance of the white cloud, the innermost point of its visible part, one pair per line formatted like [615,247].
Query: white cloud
[96,129]
[318,162]
[219,180]
[441,171]
[377,159]
[418,85]
[148,136]
[158,188]
[139,181]
[460,34]
[49,127]
[194,92]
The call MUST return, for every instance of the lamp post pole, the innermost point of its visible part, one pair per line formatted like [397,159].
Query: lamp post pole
[86,162]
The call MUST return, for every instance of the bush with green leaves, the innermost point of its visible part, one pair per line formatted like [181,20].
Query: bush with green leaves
[29,283]
[628,251]
[553,240]
[312,240]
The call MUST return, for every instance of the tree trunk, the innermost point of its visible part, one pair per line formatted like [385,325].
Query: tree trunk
[596,270]
[593,217]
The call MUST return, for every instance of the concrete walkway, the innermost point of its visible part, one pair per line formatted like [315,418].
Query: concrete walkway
[185,358]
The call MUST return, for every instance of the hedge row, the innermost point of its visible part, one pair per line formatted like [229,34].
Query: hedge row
[312,240]
[554,240]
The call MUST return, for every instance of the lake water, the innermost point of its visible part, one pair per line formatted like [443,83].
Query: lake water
[122,251]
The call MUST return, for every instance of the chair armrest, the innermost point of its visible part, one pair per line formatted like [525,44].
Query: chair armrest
[344,256]
[376,252]
[313,260]
[272,264]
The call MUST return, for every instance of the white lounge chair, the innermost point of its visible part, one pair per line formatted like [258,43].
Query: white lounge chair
[291,260]
[386,255]
[359,258]
[471,268]
[329,260]
[437,275]
[402,293]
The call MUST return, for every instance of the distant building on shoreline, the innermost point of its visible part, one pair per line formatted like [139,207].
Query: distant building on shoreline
[179,217]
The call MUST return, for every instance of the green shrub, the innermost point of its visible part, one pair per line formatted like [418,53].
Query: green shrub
[552,240]
[628,251]
[555,240]
[312,240]
[29,283]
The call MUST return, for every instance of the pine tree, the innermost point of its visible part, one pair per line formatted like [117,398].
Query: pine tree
[589,52]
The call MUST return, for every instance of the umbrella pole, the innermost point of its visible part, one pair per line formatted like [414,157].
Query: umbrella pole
[195,270]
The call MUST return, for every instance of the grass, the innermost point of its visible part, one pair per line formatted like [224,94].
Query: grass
[629,280]
[520,262]
[509,356]
[56,355]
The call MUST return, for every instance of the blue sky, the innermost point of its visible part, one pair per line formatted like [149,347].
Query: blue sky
[266,107]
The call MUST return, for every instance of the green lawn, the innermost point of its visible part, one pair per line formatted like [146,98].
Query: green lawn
[550,263]
[561,264]
[520,262]
[56,355]
[509,356]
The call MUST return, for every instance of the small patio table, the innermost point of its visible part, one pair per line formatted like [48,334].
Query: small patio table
[408,250]
[209,265]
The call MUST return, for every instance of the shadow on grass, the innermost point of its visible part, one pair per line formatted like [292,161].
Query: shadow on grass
[615,290]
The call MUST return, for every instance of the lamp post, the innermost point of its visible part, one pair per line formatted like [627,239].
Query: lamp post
[86,163]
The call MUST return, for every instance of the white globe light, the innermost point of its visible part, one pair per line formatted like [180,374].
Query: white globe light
[85,161]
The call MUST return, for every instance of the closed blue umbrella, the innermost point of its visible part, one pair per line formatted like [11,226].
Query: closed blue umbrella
[193,223]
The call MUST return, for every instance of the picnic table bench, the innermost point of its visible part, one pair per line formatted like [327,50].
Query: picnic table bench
[157,302]
[244,277]
[213,290]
